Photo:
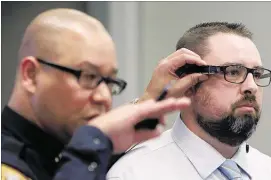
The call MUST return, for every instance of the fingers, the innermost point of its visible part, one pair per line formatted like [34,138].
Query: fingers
[179,59]
[143,135]
[162,121]
[150,109]
[167,107]
[185,83]
[165,72]
[182,51]
[183,59]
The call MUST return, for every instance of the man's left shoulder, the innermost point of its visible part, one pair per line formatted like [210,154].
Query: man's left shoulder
[256,155]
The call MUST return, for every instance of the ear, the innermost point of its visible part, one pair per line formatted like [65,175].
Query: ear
[29,69]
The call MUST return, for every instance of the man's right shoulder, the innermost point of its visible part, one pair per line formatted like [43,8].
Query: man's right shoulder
[11,162]
[140,154]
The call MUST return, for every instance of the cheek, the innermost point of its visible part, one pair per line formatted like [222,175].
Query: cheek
[213,102]
[259,98]
[70,99]
[260,95]
[62,100]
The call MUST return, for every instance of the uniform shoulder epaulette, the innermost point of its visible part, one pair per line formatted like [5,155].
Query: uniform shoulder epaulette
[10,173]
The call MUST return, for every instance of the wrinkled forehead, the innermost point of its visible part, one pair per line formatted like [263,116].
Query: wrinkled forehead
[232,49]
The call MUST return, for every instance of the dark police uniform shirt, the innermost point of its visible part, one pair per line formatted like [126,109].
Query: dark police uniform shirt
[30,153]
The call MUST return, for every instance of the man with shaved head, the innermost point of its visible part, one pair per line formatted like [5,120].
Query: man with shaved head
[57,123]
[72,39]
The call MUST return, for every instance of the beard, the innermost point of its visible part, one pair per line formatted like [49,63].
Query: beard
[232,129]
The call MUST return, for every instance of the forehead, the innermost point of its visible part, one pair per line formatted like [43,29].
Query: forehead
[231,48]
[83,49]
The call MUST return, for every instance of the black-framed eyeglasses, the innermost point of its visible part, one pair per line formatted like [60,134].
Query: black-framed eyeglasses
[238,73]
[90,80]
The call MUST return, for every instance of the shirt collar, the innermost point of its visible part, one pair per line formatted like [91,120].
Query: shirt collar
[241,159]
[202,155]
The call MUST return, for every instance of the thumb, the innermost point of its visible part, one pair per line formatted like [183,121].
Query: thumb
[143,135]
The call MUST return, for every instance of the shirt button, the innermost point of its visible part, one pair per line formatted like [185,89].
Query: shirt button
[96,141]
[60,156]
[56,159]
[92,166]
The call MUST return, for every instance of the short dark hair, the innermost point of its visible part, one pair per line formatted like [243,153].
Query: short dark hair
[195,38]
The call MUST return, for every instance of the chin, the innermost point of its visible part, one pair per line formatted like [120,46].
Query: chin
[231,129]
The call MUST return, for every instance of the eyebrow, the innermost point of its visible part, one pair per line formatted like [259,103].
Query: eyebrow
[89,65]
[258,67]
[228,63]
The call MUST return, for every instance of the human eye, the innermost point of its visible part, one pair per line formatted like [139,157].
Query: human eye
[234,70]
[89,77]
[259,73]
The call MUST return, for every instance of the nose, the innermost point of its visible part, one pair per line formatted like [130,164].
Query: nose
[101,95]
[249,85]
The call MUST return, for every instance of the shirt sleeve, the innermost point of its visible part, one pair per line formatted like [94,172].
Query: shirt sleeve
[86,156]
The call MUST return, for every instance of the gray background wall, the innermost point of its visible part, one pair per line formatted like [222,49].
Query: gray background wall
[144,33]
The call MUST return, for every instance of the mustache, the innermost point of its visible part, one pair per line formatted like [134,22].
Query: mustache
[247,99]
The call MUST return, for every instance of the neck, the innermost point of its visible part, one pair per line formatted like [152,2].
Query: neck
[225,150]
[20,103]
